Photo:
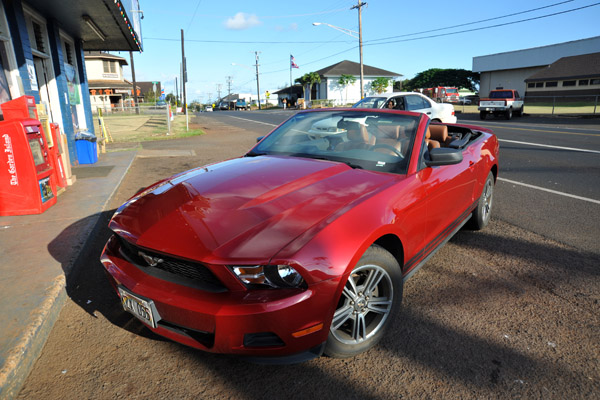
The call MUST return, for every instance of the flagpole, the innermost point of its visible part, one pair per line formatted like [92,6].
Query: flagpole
[290,80]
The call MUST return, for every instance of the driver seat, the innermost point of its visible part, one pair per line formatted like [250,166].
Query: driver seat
[388,135]
[358,137]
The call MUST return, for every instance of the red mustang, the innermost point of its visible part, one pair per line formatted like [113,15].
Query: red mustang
[301,246]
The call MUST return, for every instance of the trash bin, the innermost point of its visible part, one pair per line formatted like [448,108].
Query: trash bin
[87,150]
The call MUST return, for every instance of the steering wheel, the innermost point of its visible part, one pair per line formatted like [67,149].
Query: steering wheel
[388,147]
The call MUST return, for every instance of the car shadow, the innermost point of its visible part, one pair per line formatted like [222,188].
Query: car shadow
[86,282]
[414,339]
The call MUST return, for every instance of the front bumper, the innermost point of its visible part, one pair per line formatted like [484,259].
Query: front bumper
[272,323]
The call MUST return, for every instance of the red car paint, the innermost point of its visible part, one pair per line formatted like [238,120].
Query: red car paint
[317,216]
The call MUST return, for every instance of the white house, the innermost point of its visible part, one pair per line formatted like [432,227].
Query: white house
[107,85]
[330,89]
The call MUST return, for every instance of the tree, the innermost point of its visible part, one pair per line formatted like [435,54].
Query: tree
[459,78]
[346,80]
[380,84]
[150,96]
[309,80]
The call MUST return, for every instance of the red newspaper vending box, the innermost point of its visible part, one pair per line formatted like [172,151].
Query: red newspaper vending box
[25,171]
[20,108]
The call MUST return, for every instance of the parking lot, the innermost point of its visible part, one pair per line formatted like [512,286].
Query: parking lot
[508,311]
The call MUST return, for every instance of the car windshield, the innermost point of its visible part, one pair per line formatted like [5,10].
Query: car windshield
[506,94]
[371,102]
[451,90]
[372,140]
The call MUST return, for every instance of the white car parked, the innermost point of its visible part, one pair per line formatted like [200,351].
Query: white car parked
[410,101]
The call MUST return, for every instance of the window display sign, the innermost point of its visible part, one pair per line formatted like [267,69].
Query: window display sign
[32,76]
[72,84]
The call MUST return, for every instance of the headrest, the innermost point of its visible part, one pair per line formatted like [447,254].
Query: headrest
[439,132]
[389,131]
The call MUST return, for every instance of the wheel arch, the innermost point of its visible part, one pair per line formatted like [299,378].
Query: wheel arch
[392,244]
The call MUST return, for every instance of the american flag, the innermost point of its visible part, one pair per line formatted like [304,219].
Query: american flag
[293,62]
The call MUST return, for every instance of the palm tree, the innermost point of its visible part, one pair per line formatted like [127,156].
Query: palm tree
[346,80]
[309,80]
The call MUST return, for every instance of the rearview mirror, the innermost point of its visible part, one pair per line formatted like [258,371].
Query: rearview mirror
[258,139]
[444,156]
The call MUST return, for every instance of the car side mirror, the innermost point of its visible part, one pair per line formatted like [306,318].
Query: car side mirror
[258,139]
[444,156]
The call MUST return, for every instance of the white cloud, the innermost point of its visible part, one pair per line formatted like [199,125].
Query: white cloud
[242,21]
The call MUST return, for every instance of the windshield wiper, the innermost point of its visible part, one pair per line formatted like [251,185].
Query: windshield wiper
[254,154]
[348,163]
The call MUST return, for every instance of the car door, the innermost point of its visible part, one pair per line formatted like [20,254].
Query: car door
[449,195]
[416,103]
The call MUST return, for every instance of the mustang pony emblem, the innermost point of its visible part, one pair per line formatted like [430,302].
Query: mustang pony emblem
[152,261]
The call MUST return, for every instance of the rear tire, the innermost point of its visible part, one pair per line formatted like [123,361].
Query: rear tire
[508,113]
[369,302]
[481,214]
[482,114]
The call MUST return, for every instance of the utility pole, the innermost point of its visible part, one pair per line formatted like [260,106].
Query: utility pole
[359,6]
[257,81]
[229,81]
[219,86]
[176,93]
[135,99]
[184,79]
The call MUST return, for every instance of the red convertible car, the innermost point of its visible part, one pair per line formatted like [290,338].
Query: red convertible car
[301,246]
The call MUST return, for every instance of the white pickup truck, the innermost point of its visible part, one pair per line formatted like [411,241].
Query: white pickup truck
[501,102]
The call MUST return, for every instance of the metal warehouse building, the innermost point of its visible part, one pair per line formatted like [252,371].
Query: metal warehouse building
[510,70]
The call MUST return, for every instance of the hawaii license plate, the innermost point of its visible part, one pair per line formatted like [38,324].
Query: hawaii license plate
[142,308]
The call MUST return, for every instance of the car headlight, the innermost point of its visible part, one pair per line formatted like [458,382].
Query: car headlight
[269,276]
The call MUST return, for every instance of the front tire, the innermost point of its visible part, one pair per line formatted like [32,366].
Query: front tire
[369,302]
[481,215]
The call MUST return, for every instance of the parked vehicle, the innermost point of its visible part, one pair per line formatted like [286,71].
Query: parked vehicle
[208,109]
[501,102]
[442,94]
[302,245]
[224,105]
[241,104]
[410,101]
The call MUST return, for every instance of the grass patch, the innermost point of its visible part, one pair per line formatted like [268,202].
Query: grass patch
[142,128]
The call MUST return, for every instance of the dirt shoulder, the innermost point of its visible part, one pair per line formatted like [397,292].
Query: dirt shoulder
[495,314]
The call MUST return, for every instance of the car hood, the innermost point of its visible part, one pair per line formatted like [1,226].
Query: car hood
[243,210]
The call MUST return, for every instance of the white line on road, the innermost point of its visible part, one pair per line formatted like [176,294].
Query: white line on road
[251,120]
[549,146]
[550,191]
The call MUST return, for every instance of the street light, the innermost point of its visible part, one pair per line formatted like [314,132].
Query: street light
[359,37]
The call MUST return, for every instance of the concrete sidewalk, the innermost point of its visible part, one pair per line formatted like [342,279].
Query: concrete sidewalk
[37,253]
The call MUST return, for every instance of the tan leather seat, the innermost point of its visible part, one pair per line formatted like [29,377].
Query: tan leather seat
[390,136]
[440,133]
[358,138]
[431,144]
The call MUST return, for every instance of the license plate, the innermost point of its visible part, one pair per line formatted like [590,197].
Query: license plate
[140,307]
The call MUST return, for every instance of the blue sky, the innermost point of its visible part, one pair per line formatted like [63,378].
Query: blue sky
[218,34]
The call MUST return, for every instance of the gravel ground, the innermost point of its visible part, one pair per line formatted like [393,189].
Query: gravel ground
[495,314]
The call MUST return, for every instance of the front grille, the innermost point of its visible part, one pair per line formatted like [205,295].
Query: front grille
[170,268]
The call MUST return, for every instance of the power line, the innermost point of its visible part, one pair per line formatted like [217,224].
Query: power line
[193,16]
[470,23]
[485,27]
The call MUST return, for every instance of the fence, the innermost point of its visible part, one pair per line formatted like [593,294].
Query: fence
[139,110]
[551,105]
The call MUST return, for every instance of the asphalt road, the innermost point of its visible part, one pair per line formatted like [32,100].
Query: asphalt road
[504,312]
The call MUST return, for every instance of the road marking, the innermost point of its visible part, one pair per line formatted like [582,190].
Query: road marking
[543,130]
[550,191]
[550,146]
[251,120]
